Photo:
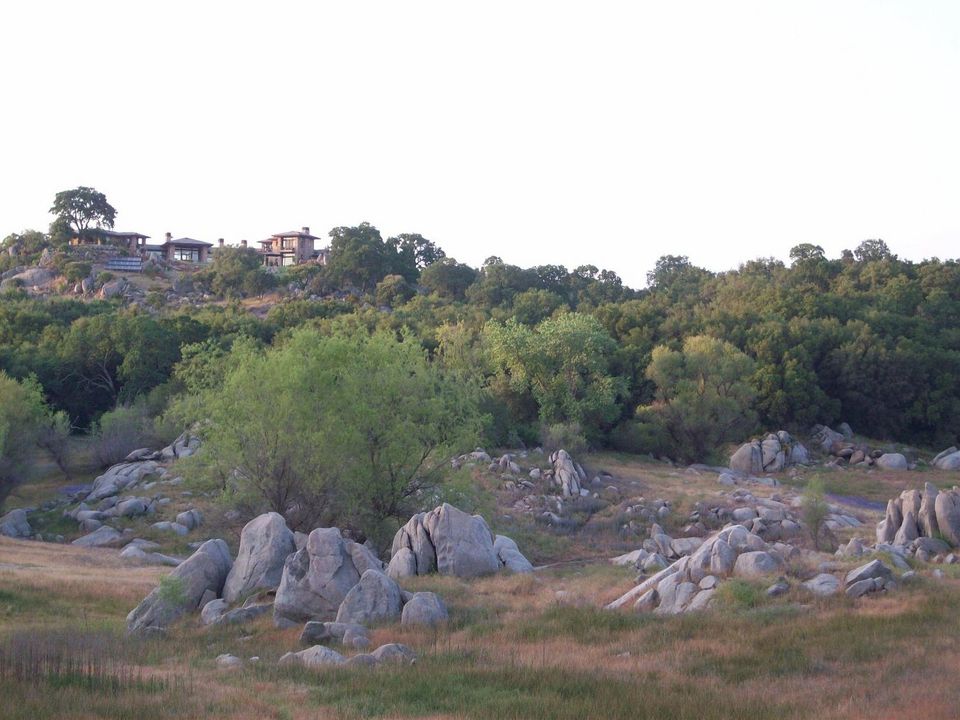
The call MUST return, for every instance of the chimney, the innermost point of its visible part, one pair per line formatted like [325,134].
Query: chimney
[243,243]
[169,237]
[306,230]
[220,242]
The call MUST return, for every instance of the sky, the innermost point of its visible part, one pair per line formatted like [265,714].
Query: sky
[602,133]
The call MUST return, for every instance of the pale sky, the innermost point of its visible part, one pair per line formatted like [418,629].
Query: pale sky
[604,133]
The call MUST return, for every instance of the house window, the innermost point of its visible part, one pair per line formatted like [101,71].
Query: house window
[186,254]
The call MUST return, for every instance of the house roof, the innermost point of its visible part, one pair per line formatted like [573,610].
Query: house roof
[156,248]
[190,242]
[295,233]
[117,234]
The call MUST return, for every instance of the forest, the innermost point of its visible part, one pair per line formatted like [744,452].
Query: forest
[693,360]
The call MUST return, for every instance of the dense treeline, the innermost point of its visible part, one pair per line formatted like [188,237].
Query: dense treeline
[696,359]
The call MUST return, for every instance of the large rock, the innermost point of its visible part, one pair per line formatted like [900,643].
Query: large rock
[316,656]
[402,564]
[204,571]
[463,542]
[510,556]
[120,477]
[424,608]
[34,278]
[112,288]
[748,459]
[445,540]
[190,519]
[265,543]
[184,446]
[892,461]
[375,599]
[949,459]
[947,508]
[316,579]
[823,585]
[104,536]
[873,569]
[315,632]
[756,564]
[15,525]
[927,517]
[567,474]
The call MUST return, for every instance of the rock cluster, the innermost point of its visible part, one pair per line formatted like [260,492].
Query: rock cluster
[915,518]
[316,579]
[690,583]
[568,475]
[451,542]
[843,451]
[774,453]
[949,459]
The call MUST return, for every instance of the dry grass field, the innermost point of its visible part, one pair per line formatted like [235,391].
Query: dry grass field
[524,646]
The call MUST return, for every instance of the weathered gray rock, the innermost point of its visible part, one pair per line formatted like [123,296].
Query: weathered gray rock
[132,507]
[213,610]
[402,564]
[510,556]
[316,656]
[375,599]
[756,564]
[316,632]
[120,477]
[316,579]
[892,461]
[112,288]
[265,543]
[104,536]
[823,585]
[424,608]
[927,518]
[205,570]
[908,531]
[15,525]
[244,614]
[747,459]
[394,653]
[167,526]
[873,569]
[949,459]
[947,507]
[449,541]
[860,588]
[184,446]
[772,453]
[135,552]
[568,476]
[228,662]
[190,519]
[33,278]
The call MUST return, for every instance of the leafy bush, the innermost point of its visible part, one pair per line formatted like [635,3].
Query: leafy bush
[121,431]
[22,414]
[568,436]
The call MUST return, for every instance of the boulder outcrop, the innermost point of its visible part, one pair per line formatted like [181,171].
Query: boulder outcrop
[265,544]
[448,541]
[203,572]
[317,578]
[773,453]
[915,518]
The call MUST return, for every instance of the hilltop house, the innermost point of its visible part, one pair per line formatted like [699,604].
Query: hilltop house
[101,236]
[290,248]
[180,250]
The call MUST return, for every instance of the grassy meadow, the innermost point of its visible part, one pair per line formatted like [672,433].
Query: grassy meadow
[524,646]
